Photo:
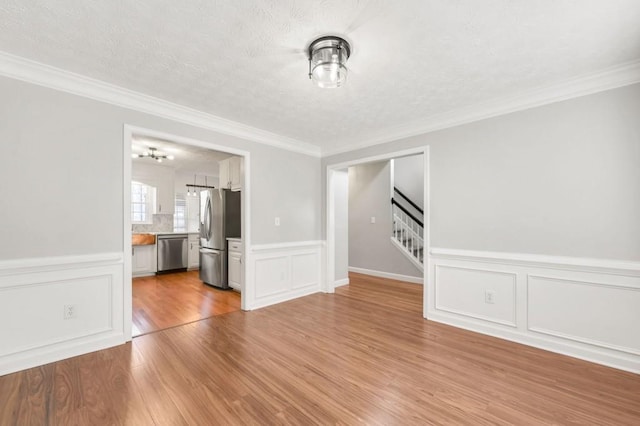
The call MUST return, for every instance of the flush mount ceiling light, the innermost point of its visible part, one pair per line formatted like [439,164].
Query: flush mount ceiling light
[153,154]
[327,61]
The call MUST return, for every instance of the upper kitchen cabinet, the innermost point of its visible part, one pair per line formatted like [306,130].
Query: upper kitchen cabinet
[231,173]
[162,179]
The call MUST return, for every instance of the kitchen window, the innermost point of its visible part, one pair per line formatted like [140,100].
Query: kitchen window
[180,213]
[142,203]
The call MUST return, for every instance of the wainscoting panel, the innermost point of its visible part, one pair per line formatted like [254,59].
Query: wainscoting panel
[583,311]
[462,291]
[304,270]
[33,296]
[284,272]
[272,275]
[585,308]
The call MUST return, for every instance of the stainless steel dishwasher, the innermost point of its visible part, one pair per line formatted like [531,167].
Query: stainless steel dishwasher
[172,252]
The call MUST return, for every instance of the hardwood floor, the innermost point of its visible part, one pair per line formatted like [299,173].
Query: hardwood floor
[362,356]
[164,301]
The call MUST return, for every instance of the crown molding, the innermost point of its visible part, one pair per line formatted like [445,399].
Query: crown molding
[610,78]
[55,78]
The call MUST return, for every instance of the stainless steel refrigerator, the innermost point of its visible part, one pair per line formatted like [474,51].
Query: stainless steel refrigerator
[219,219]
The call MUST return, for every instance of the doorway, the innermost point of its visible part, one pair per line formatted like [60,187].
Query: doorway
[377,225]
[167,179]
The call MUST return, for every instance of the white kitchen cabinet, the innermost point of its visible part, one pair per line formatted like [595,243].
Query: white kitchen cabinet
[231,173]
[165,196]
[193,258]
[235,269]
[144,260]
[162,179]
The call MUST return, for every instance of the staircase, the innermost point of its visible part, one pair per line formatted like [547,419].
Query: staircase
[408,228]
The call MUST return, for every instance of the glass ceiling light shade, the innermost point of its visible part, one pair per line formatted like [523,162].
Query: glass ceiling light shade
[327,61]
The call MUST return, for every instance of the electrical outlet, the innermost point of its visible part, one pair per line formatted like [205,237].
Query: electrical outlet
[277,221]
[69,311]
[489,296]
[373,219]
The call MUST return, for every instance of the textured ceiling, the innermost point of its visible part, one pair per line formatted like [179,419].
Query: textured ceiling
[245,60]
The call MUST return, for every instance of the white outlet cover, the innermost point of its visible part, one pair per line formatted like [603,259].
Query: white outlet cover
[277,221]
[489,296]
[373,219]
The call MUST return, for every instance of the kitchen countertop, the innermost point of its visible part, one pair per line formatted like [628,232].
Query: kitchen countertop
[235,239]
[143,239]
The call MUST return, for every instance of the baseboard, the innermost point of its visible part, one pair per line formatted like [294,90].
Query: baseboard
[339,283]
[284,297]
[381,274]
[626,363]
[584,308]
[58,352]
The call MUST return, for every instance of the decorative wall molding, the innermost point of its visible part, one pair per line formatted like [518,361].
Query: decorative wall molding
[37,333]
[391,276]
[284,271]
[585,308]
[608,266]
[611,78]
[284,246]
[55,78]
[484,279]
[57,263]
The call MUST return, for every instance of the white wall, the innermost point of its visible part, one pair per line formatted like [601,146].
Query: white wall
[62,173]
[561,179]
[370,244]
[408,177]
[77,144]
[341,203]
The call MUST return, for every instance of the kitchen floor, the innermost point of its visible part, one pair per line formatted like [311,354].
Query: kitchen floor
[169,300]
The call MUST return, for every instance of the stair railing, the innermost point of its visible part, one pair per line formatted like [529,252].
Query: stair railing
[408,230]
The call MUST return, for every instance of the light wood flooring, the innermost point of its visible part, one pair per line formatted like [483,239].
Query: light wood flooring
[362,356]
[169,300]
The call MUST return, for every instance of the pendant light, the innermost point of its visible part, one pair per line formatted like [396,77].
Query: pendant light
[154,155]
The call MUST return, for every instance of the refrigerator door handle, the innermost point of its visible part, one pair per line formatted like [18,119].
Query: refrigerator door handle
[208,219]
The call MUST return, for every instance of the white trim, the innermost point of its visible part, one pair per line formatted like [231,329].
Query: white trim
[622,362]
[58,263]
[55,78]
[60,351]
[283,297]
[280,270]
[608,266]
[245,211]
[287,245]
[23,69]
[329,277]
[610,78]
[577,342]
[439,307]
[382,274]
[340,283]
[33,275]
